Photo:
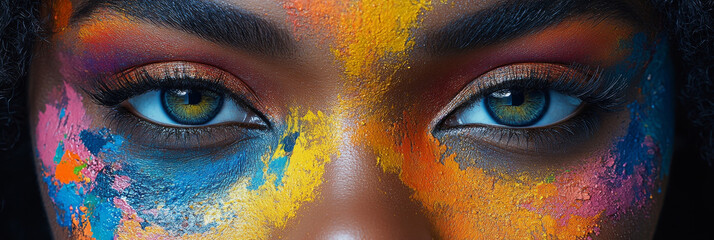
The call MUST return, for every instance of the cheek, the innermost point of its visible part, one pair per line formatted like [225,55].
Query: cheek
[475,203]
[101,188]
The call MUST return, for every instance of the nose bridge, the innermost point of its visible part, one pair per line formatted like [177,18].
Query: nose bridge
[358,200]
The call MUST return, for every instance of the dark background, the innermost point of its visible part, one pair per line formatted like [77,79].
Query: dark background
[688,211]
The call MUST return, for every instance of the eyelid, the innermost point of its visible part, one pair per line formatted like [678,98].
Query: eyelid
[503,76]
[113,90]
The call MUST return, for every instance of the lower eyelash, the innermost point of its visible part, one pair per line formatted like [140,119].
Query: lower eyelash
[155,137]
[537,141]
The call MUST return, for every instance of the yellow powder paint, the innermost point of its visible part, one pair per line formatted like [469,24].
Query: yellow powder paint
[252,214]
[370,38]
[373,29]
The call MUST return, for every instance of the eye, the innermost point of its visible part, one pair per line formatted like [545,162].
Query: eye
[190,107]
[518,108]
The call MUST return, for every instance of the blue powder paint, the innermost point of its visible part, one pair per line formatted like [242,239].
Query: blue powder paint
[59,152]
[171,179]
[648,143]
[658,103]
[66,196]
[277,167]
[94,141]
[257,180]
[62,113]
[289,141]
[105,219]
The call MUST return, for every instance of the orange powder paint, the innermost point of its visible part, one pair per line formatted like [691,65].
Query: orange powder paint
[82,229]
[61,13]
[472,203]
[66,171]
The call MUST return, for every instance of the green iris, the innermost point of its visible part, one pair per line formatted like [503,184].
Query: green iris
[191,106]
[517,107]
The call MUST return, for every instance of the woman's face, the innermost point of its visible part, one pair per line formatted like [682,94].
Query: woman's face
[374,119]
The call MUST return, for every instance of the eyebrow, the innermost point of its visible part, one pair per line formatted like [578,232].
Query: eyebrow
[209,20]
[516,18]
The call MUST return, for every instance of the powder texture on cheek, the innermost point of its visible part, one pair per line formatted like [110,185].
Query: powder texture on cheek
[253,206]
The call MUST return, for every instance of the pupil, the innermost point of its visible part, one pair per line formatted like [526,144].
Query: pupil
[517,98]
[193,97]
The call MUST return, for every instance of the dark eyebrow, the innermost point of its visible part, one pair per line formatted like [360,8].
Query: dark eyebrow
[516,18]
[209,20]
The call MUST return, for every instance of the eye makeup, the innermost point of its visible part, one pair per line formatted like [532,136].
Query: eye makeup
[113,92]
[600,93]
[608,183]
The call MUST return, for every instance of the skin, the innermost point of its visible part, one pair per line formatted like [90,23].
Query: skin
[363,104]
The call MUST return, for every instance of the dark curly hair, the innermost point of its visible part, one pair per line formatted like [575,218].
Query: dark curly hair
[689,23]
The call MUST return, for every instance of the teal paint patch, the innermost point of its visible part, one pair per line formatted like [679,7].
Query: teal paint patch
[257,180]
[277,167]
[59,152]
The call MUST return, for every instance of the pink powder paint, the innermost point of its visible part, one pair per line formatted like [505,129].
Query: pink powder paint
[121,183]
[62,121]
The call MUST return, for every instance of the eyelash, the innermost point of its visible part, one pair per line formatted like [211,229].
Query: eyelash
[111,93]
[600,93]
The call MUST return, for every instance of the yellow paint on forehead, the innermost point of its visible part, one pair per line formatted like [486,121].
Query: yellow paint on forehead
[373,29]
[253,214]
[369,38]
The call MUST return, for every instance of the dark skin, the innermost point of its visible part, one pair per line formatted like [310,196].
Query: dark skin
[364,191]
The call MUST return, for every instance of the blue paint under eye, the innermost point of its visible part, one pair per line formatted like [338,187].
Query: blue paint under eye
[277,165]
[289,141]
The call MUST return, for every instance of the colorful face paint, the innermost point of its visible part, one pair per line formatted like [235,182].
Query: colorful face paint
[101,190]
[364,38]
[104,184]
[473,202]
